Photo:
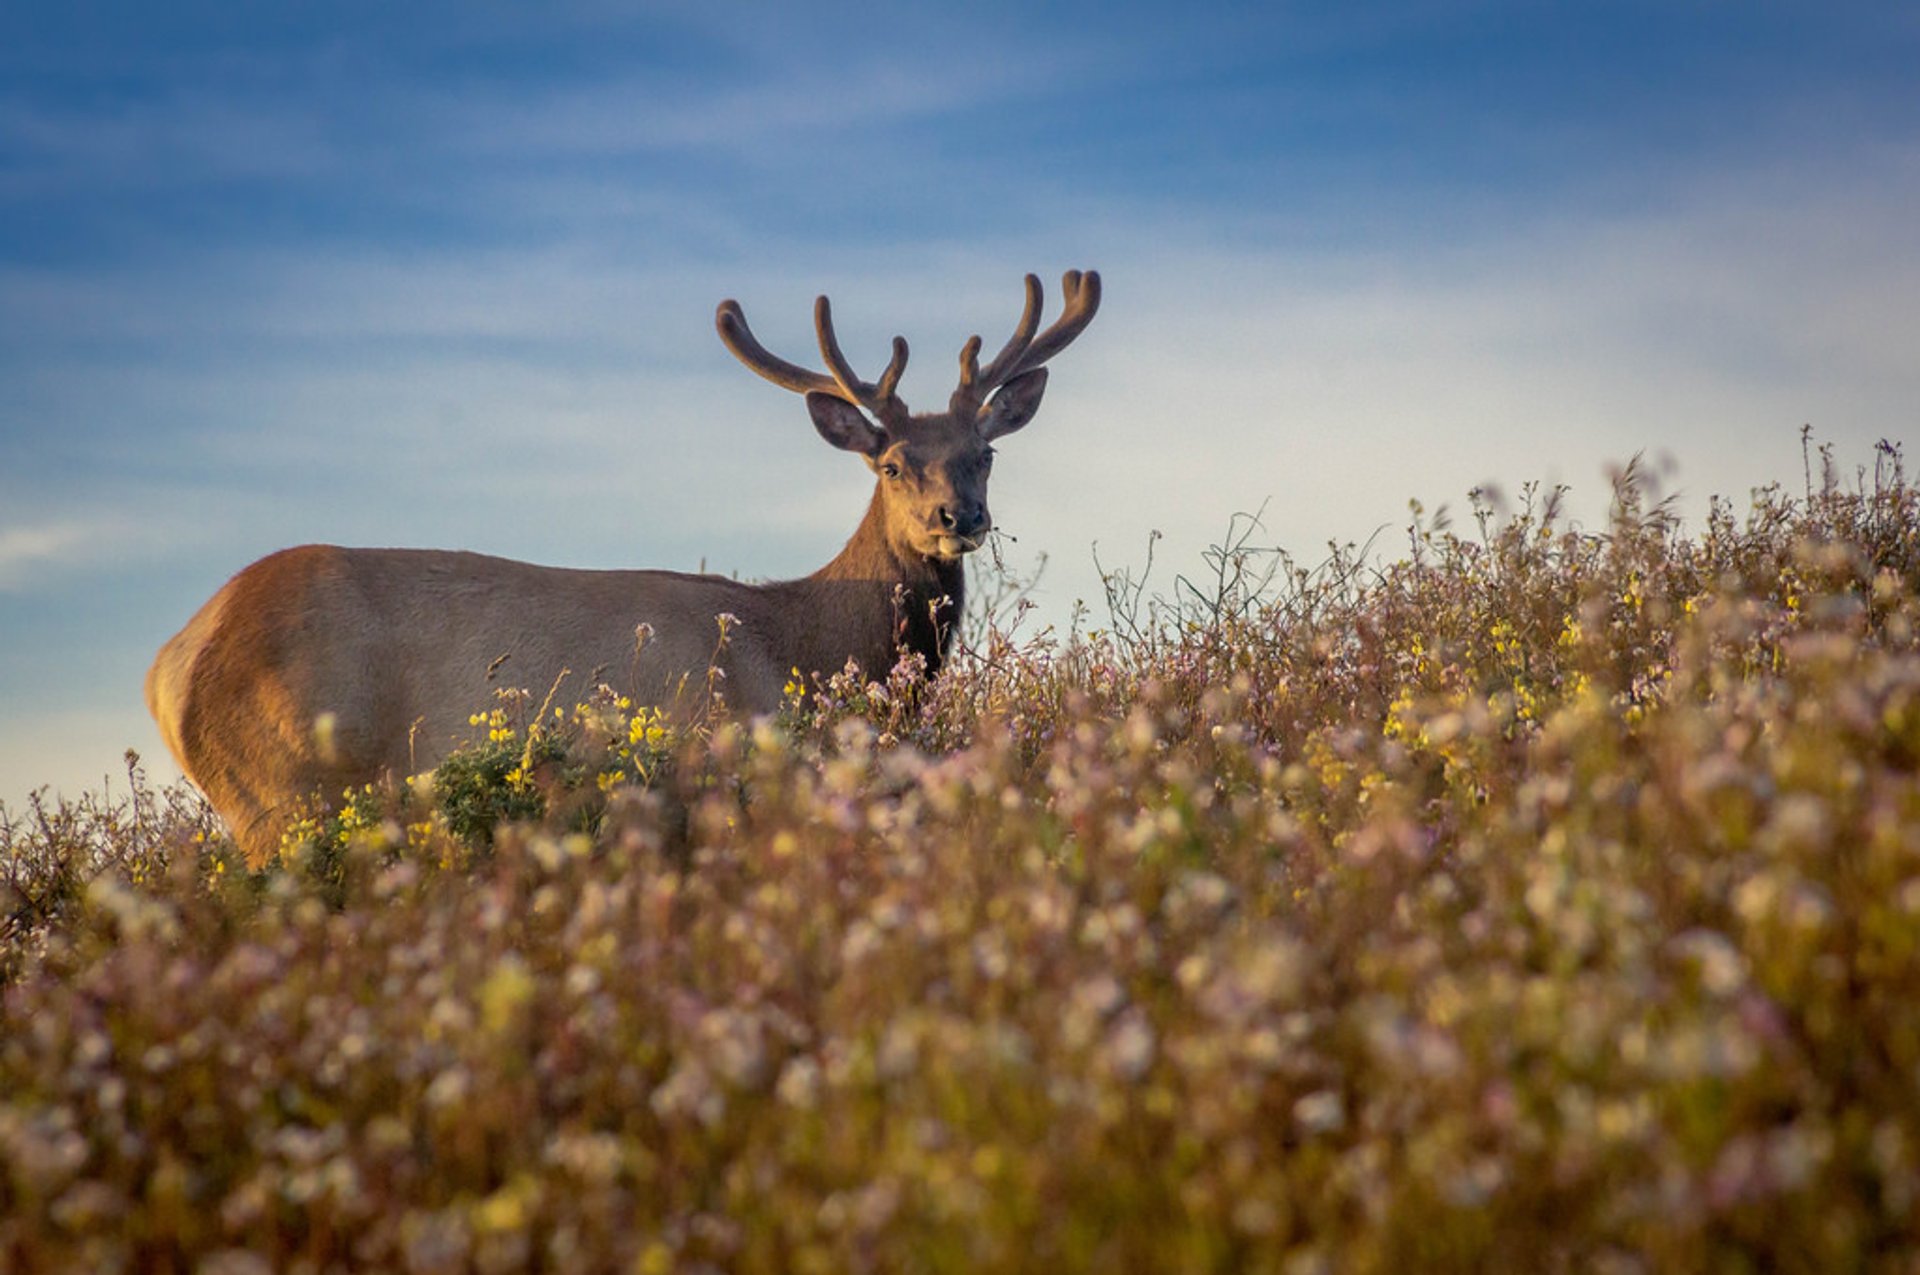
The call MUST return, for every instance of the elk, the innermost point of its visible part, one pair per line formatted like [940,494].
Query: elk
[392,649]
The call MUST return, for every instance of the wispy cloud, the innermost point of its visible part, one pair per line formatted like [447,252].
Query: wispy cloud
[187,135]
[762,118]
[27,552]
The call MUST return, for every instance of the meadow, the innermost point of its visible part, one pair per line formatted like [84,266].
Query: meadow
[1544,898]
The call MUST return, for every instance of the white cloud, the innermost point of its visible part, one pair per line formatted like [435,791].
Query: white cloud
[759,117]
[27,552]
[191,135]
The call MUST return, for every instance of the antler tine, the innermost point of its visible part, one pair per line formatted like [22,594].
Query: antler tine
[997,371]
[731,321]
[880,399]
[890,379]
[1081,293]
[969,373]
[1023,353]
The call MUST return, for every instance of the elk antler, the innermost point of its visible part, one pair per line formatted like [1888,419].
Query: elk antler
[1022,352]
[879,399]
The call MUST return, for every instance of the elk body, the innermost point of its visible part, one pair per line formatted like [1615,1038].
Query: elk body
[392,648]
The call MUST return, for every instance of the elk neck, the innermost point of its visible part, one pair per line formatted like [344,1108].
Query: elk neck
[878,600]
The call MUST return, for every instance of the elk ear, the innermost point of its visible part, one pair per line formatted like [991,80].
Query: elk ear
[1014,405]
[843,425]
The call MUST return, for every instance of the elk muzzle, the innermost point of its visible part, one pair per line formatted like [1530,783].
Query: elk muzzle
[965,519]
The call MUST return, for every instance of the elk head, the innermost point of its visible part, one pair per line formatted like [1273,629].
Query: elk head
[932,467]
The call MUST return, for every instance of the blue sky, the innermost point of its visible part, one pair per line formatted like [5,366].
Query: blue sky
[445,275]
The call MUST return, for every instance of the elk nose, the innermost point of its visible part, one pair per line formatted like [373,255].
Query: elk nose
[965,519]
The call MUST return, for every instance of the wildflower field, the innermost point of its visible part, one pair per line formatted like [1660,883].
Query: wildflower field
[1546,899]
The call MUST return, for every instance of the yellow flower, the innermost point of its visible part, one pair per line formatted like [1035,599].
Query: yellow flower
[649,727]
[1398,725]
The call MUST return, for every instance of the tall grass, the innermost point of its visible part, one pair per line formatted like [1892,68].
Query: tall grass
[1547,899]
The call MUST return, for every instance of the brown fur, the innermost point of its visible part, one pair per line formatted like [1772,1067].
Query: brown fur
[320,668]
